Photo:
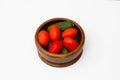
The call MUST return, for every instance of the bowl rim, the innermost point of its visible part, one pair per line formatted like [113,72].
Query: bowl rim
[41,49]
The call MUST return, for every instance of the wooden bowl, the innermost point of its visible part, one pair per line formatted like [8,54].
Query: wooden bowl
[60,60]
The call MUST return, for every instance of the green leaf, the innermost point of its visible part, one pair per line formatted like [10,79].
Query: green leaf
[64,50]
[65,24]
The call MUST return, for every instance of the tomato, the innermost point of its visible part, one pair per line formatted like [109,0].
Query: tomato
[70,32]
[43,37]
[70,43]
[55,47]
[54,33]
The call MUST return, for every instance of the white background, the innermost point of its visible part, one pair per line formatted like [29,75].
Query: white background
[19,20]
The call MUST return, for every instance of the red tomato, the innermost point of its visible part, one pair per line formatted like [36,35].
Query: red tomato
[43,37]
[70,32]
[70,43]
[54,33]
[55,47]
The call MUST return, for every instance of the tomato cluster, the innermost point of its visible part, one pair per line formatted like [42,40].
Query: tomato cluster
[57,40]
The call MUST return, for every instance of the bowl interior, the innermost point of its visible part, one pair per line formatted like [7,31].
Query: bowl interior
[80,36]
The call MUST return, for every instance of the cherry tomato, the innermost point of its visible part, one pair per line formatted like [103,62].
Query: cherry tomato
[70,43]
[70,32]
[55,47]
[54,33]
[43,37]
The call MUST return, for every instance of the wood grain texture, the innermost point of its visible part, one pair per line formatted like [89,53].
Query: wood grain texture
[60,64]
